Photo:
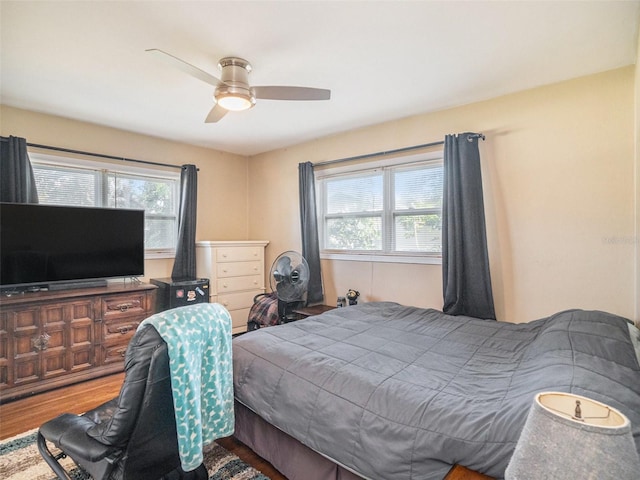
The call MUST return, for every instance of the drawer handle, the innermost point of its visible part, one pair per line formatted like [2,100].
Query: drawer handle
[224,285]
[122,352]
[123,307]
[41,343]
[125,328]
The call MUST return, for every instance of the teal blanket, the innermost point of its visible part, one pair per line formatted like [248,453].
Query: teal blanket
[199,345]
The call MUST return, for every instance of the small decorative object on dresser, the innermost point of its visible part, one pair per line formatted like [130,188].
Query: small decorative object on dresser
[235,270]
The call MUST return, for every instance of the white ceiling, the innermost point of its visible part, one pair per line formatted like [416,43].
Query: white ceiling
[382,60]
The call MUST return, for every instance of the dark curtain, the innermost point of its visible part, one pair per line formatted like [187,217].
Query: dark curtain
[465,259]
[309,230]
[17,184]
[184,267]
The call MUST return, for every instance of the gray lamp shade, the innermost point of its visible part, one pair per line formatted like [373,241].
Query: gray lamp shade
[567,436]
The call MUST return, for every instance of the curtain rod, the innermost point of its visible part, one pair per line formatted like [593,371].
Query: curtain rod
[101,155]
[390,152]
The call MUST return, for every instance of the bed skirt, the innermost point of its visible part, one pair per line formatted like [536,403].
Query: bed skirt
[290,457]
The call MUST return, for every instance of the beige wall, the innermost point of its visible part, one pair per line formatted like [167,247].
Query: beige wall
[558,172]
[560,194]
[637,184]
[222,177]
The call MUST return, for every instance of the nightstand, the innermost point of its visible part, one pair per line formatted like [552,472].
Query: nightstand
[312,310]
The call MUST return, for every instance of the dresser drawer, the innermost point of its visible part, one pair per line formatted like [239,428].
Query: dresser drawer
[113,353]
[236,284]
[239,254]
[119,306]
[238,269]
[236,301]
[120,331]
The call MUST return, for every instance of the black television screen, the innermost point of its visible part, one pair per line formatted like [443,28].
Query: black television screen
[46,245]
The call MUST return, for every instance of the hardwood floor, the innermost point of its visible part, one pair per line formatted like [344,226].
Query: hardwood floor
[24,414]
[30,412]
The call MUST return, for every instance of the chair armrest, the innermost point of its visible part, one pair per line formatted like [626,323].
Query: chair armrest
[69,433]
[102,413]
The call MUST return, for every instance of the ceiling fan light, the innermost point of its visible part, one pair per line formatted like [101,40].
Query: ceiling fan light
[235,102]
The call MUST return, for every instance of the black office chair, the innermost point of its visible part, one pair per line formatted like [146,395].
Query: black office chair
[132,437]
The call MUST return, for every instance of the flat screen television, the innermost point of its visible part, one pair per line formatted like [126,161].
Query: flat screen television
[55,247]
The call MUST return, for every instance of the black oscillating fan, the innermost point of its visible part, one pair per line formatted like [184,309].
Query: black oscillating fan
[289,278]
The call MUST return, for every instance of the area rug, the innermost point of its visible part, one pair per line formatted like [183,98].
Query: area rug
[20,460]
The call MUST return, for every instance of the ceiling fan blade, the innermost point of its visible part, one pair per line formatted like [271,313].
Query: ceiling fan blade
[216,113]
[291,93]
[186,67]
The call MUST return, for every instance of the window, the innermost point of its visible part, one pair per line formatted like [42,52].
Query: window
[390,211]
[94,184]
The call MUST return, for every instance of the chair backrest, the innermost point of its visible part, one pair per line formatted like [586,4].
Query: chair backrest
[143,422]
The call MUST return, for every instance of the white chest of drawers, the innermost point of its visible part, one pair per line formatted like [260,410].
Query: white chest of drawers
[236,274]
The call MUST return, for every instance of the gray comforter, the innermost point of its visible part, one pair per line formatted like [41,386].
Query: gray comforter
[395,392]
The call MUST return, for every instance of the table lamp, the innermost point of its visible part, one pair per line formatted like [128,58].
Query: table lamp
[568,436]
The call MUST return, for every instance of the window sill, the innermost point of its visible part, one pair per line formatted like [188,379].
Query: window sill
[157,254]
[371,257]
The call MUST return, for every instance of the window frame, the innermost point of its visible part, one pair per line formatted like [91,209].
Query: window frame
[388,215]
[109,167]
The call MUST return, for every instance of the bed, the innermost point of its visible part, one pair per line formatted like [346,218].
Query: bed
[386,391]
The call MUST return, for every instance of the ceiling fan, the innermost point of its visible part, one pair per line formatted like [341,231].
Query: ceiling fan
[233,92]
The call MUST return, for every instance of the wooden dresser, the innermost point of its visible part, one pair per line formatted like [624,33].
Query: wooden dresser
[53,338]
[235,270]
